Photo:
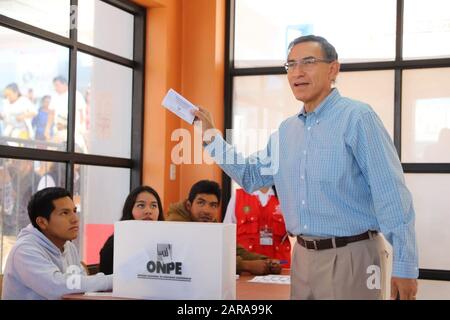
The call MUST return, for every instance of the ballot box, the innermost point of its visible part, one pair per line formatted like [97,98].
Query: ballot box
[174,260]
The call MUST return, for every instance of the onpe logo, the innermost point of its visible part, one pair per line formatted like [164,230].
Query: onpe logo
[164,252]
[164,263]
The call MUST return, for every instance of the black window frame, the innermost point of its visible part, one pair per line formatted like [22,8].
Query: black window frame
[398,65]
[70,157]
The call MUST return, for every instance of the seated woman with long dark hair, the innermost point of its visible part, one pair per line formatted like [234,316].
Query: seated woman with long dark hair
[143,203]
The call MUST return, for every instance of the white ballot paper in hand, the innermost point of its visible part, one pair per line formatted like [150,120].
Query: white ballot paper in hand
[179,105]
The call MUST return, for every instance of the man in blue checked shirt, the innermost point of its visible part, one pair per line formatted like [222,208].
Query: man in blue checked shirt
[340,183]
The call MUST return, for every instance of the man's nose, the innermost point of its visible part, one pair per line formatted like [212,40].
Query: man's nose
[75,218]
[297,71]
[207,211]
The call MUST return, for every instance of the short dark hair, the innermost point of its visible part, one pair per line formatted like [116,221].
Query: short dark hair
[205,186]
[127,211]
[61,79]
[14,88]
[328,49]
[41,203]
[43,99]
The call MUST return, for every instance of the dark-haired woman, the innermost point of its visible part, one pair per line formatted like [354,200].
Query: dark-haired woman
[143,203]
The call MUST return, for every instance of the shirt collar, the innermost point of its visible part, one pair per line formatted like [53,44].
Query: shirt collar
[264,197]
[260,194]
[329,101]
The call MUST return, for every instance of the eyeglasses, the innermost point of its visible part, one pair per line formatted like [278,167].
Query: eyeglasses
[305,64]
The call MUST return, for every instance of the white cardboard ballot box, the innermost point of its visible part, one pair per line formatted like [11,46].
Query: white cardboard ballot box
[174,260]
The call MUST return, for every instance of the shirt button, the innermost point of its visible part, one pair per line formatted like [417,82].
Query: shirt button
[304,151]
[305,227]
[303,202]
[317,122]
[309,128]
[302,177]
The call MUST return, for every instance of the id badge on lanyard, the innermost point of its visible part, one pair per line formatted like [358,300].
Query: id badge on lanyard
[265,236]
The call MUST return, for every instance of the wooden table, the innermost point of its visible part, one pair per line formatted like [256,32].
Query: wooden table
[244,291]
[261,291]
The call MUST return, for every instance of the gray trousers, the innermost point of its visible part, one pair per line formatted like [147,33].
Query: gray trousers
[355,271]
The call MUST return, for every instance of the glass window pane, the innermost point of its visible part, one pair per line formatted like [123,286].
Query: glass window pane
[426,115]
[260,104]
[99,193]
[431,202]
[359,86]
[95,27]
[28,66]
[19,179]
[426,29]
[263,102]
[263,30]
[37,13]
[104,117]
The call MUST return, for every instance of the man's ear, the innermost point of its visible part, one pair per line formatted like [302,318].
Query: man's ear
[334,70]
[42,223]
[188,205]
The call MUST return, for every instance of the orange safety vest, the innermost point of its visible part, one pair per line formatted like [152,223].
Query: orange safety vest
[252,217]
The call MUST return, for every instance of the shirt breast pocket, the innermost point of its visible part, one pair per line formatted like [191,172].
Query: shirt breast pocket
[326,164]
[248,224]
[278,225]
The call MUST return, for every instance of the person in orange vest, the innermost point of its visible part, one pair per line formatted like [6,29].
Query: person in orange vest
[260,226]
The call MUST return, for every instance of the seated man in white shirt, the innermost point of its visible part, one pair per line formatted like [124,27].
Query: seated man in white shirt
[44,263]
[17,114]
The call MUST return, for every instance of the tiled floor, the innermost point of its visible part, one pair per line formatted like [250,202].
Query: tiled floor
[433,290]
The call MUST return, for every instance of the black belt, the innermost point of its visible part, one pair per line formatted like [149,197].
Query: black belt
[324,244]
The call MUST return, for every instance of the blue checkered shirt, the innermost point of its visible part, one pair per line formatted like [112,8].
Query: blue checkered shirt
[337,173]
